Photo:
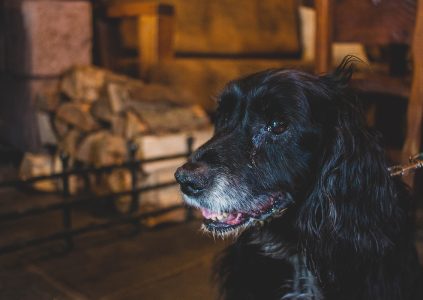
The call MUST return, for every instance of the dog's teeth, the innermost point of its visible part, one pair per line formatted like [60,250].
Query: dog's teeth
[220,217]
[225,215]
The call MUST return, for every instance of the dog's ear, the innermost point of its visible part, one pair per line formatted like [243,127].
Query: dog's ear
[352,202]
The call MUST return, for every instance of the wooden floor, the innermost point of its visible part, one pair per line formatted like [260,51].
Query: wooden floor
[169,263]
[173,262]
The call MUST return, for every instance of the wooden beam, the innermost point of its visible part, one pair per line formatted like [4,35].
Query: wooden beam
[166,35]
[415,104]
[323,42]
[148,42]
[136,9]
[155,24]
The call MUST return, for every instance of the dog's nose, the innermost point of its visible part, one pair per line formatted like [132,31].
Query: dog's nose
[193,178]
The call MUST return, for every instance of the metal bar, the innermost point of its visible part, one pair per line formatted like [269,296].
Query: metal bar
[134,168]
[85,170]
[68,232]
[67,217]
[81,230]
[134,176]
[14,215]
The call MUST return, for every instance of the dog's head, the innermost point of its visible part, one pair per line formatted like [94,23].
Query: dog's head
[276,133]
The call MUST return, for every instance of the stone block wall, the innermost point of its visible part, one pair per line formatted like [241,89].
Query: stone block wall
[39,40]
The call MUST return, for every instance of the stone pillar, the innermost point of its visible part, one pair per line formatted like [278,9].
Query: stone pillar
[41,40]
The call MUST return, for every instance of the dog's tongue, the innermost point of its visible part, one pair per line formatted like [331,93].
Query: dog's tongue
[234,219]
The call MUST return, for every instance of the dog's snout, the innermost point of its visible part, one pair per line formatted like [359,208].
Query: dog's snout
[193,178]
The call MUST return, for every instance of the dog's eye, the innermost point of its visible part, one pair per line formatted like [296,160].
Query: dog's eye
[276,127]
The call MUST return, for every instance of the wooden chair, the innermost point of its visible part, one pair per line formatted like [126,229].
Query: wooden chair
[211,43]
[155,25]
[375,23]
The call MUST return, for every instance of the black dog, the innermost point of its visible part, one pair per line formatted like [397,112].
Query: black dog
[293,172]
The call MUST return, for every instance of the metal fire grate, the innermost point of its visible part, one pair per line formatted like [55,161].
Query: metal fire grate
[67,203]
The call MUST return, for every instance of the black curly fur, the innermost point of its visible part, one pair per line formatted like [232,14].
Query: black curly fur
[348,233]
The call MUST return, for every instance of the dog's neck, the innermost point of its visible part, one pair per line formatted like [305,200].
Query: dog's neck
[278,239]
[304,283]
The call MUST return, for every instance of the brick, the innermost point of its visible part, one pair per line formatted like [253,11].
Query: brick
[47,37]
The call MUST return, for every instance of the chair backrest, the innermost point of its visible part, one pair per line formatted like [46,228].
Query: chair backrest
[228,28]
[370,22]
[374,22]
[377,22]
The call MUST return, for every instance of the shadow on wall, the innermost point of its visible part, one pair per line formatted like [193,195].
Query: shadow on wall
[17,116]
[40,41]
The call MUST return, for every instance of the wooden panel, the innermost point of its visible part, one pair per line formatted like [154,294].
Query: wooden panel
[374,22]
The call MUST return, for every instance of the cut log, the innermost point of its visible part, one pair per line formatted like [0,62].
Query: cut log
[83,84]
[162,198]
[129,82]
[101,111]
[70,142]
[154,92]
[61,128]
[38,165]
[162,117]
[150,146]
[86,150]
[77,115]
[88,83]
[120,181]
[48,102]
[118,125]
[102,148]
[133,126]
[42,164]
[110,150]
[117,96]
[128,125]
[45,129]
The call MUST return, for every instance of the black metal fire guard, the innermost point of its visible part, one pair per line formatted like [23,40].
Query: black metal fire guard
[67,232]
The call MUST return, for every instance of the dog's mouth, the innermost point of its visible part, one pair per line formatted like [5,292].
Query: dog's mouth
[226,222]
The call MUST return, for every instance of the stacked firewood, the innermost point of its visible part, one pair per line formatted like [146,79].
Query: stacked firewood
[93,117]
